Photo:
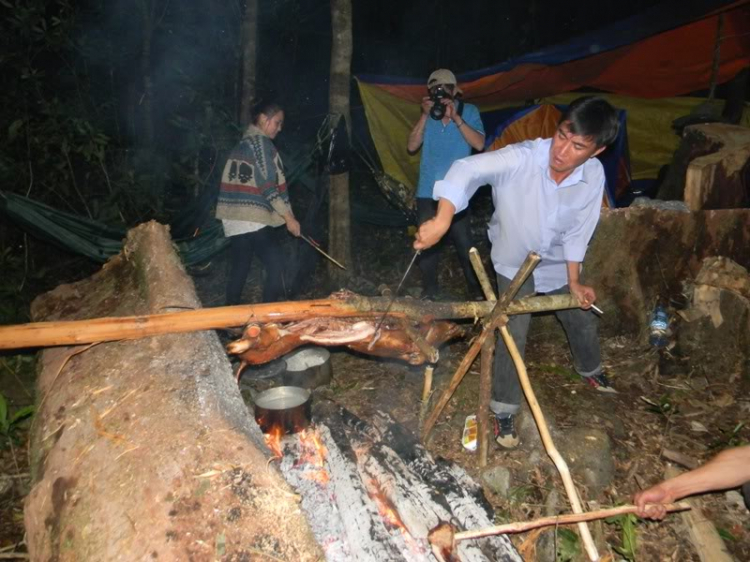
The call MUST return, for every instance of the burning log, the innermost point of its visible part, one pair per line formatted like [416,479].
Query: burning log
[419,490]
[263,343]
[373,492]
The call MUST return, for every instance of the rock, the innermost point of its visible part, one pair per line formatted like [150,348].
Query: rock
[528,431]
[615,425]
[497,479]
[588,453]
[735,499]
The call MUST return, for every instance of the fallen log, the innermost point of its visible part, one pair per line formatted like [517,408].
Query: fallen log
[57,332]
[144,449]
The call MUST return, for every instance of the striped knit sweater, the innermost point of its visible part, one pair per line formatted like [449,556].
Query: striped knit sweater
[253,185]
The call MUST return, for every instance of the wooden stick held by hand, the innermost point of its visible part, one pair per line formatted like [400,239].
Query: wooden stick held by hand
[520,527]
[443,538]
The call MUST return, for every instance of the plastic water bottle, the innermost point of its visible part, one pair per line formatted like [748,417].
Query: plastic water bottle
[659,327]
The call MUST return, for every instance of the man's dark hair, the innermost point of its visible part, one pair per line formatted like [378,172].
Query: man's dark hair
[594,117]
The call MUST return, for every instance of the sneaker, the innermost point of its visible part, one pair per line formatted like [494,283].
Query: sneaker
[600,382]
[505,431]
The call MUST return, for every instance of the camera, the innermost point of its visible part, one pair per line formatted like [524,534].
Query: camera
[438,93]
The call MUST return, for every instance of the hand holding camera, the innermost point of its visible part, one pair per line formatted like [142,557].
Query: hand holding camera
[439,108]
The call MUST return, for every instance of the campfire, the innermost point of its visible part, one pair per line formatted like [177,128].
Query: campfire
[372,492]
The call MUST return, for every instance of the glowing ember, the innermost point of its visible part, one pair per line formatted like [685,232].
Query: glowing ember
[313,453]
[312,449]
[273,440]
[387,512]
[391,517]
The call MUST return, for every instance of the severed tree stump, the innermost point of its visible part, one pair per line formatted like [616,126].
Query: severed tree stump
[710,168]
[144,449]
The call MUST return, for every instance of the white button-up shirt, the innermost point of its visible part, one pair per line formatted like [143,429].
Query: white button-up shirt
[532,212]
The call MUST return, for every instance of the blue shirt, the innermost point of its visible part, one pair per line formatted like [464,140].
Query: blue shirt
[443,145]
[532,212]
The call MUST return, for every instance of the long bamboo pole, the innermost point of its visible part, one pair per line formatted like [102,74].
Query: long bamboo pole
[48,334]
[549,445]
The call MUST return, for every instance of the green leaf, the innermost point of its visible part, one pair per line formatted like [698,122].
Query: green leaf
[3,414]
[568,546]
[21,414]
[726,535]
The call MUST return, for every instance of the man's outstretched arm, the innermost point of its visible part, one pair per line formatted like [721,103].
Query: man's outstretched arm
[728,469]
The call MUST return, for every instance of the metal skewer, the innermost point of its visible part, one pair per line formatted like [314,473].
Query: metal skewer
[393,298]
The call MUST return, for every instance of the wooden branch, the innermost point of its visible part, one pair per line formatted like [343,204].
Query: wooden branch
[521,527]
[679,458]
[484,281]
[496,318]
[48,334]
[485,390]
[430,352]
[549,445]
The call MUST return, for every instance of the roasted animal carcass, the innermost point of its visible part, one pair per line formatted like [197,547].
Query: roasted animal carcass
[261,343]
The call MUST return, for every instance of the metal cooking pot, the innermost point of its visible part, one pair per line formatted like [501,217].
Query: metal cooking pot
[285,407]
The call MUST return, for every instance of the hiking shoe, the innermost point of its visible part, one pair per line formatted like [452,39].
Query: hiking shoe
[600,382]
[505,431]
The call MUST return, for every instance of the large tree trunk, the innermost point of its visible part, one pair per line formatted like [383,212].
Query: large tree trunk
[144,449]
[339,226]
[249,60]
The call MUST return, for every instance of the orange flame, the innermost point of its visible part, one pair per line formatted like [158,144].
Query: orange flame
[273,440]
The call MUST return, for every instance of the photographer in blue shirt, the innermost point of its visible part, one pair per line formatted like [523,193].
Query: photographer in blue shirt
[447,130]
[547,195]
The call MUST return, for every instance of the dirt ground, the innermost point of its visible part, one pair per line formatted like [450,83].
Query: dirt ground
[664,401]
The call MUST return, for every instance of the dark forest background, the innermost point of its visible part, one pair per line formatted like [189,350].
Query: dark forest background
[123,110]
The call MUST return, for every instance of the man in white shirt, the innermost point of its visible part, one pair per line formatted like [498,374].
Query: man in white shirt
[547,195]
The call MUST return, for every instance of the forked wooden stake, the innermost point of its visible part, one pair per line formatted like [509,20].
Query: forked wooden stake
[496,317]
[549,445]
[484,281]
[485,365]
